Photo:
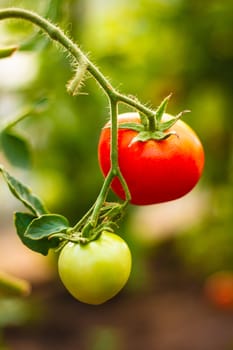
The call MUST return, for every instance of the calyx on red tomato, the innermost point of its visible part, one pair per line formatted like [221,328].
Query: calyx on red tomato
[155,170]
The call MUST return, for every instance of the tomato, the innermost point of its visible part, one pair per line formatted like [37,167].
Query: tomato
[155,171]
[219,289]
[94,272]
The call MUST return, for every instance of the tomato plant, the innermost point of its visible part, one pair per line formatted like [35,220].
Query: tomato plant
[95,272]
[147,157]
[154,170]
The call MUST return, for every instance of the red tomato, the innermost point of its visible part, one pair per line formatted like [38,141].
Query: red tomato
[155,171]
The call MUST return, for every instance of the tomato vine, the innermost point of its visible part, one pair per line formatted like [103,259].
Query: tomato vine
[41,230]
[84,66]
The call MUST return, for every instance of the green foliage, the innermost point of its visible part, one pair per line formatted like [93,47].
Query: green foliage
[35,229]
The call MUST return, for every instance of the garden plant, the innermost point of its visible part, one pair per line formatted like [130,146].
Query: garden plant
[146,155]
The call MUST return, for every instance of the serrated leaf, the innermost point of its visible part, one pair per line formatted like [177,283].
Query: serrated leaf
[46,225]
[22,221]
[131,126]
[16,149]
[24,194]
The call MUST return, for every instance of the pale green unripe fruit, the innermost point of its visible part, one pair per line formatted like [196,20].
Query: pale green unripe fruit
[95,272]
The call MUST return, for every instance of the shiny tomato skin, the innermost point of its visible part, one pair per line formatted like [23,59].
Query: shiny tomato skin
[95,272]
[155,171]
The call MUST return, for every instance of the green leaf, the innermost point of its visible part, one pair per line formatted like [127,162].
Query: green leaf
[15,149]
[24,194]
[131,126]
[46,225]
[22,221]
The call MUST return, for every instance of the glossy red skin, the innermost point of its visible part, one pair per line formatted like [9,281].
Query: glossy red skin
[155,171]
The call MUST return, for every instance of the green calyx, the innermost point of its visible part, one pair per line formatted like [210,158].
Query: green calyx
[152,127]
[87,231]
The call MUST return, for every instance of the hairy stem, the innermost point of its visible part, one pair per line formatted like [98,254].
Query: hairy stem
[114,147]
[58,35]
[114,139]
[135,104]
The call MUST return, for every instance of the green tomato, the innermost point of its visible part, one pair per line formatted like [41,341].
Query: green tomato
[94,272]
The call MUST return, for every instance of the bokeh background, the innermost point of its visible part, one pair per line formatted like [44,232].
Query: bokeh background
[180,293]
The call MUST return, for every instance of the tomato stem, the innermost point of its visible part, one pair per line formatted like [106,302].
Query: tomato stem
[101,198]
[114,170]
[83,220]
[152,124]
[114,138]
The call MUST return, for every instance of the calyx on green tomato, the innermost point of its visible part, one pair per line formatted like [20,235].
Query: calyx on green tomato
[155,170]
[95,272]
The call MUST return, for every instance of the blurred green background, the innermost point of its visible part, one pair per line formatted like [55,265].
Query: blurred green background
[147,48]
